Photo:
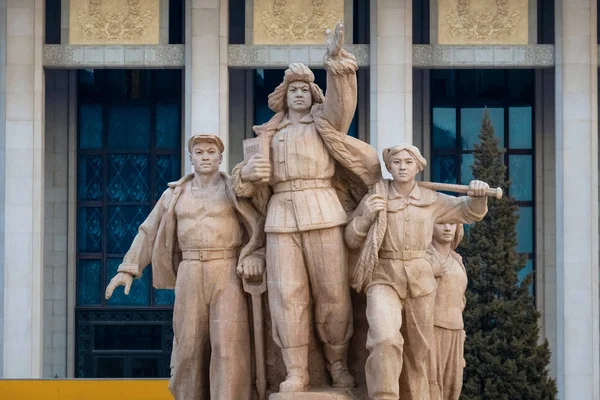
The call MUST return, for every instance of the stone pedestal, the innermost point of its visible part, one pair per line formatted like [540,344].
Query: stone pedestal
[316,394]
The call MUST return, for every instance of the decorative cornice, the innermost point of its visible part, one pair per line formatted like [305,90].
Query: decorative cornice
[275,56]
[270,56]
[114,56]
[426,56]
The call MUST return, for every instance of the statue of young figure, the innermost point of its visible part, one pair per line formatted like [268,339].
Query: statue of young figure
[393,227]
[446,356]
[199,238]
[309,148]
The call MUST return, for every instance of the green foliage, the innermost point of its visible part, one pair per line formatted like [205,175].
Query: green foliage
[503,357]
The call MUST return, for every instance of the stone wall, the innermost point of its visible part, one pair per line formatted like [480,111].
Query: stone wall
[55,237]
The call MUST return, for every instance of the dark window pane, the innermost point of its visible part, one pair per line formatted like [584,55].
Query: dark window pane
[110,367]
[128,177]
[128,337]
[168,126]
[129,128]
[525,230]
[482,85]
[361,27]
[91,126]
[176,21]
[470,125]
[140,289]
[520,126]
[144,367]
[52,21]
[466,163]
[89,178]
[237,21]
[444,128]
[167,85]
[520,85]
[443,86]
[122,226]
[89,230]
[164,297]
[167,169]
[443,169]
[89,281]
[420,17]
[520,169]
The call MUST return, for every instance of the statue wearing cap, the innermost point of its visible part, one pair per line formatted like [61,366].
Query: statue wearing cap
[315,174]
[197,237]
[392,227]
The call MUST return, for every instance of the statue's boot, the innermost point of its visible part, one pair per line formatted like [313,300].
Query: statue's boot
[296,364]
[336,357]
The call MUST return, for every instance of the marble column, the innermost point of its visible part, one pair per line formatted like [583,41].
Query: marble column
[23,126]
[206,71]
[391,73]
[577,200]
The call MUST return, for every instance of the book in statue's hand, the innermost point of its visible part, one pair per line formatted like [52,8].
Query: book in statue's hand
[258,145]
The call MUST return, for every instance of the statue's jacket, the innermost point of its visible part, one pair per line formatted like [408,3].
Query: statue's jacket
[316,149]
[157,243]
[393,251]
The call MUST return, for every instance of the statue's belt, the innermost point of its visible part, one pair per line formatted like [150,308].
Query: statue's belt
[208,255]
[402,255]
[301,184]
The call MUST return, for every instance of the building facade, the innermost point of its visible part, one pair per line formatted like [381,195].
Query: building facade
[98,98]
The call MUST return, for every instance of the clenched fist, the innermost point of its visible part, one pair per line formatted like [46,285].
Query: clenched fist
[252,267]
[478,188]
[373,205]
[257,169]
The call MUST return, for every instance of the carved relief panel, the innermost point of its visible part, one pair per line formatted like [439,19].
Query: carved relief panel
[294,21]
[114,21]
[483,21]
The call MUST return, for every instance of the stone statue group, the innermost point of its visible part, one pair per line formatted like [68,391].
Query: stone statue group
[312,218]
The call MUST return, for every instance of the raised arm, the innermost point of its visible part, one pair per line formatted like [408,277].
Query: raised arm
[340,97]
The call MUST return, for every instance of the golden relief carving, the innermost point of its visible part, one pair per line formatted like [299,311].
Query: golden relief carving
[114,22]
[489,22]
[295,22]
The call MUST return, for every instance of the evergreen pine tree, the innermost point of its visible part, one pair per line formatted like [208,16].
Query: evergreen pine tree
[503,357]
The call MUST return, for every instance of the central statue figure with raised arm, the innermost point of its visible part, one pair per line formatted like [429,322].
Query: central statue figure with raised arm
[310,154]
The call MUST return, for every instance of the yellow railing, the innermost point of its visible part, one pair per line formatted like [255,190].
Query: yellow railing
[84,389]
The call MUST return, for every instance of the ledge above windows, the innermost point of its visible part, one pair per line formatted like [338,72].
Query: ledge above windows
[271,56]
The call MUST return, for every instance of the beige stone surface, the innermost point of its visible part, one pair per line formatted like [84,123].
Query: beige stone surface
[483,21]
[294,21]
[114,21]
[305,214]
[193,238]
[446,356]
[392,227]
[315,394]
